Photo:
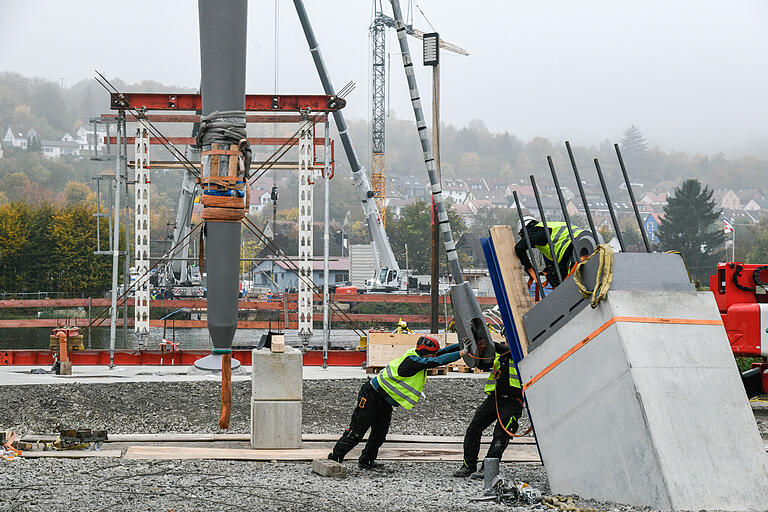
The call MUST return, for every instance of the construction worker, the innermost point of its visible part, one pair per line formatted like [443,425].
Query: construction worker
[399,384]
[504,405]
[558,232]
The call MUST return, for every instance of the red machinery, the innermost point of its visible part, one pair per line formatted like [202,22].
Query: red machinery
[741,293]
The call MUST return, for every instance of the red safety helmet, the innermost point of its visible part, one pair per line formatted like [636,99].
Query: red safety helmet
[427,345]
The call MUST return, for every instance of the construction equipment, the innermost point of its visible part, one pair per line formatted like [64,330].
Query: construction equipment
[378,30]
[388,276]
[741,293]
[470,323]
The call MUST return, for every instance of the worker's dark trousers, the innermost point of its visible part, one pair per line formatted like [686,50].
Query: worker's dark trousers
[510,410]
[371,411]
[565,266]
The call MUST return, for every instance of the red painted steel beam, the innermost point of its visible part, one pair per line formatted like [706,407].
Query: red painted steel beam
[388,298]
[163,358]
[193,118]
[253,102]
[83,322]
[243,304]
[255,141]
[155,303]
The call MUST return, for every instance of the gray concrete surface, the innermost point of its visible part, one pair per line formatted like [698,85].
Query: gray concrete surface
[635,427]
[276,376]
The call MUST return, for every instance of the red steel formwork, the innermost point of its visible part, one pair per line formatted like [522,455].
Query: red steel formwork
[21,357]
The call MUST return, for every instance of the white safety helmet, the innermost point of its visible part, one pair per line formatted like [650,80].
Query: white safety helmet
[527,219]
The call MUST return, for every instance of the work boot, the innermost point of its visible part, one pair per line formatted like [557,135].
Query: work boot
[371,465]
[331,456]
[464,471]
[479,474]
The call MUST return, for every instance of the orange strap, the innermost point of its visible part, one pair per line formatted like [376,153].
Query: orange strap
[626,319]
[221,152]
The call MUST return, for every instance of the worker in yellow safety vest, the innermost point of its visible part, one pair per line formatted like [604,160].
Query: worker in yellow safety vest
[399,384]
[503,405]
[558,232]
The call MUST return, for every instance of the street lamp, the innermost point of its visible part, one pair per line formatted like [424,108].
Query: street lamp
[432,58]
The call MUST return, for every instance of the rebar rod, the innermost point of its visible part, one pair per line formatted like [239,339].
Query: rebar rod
[528,243]
[632,198]
[581,191]
[610,205]
[563,208]
[546,229]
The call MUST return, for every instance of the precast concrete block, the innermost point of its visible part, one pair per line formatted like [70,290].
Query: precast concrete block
[327,467]
[275,424]
[276,375]
[649,414]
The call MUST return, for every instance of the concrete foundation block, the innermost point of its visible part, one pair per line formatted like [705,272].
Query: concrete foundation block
[648,414]
[327,467]
[65,368]
[276,375]
[275,424]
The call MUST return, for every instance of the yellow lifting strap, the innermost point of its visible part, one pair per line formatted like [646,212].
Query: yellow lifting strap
[604,276]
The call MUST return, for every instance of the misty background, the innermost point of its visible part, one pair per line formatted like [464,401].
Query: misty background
[690,74]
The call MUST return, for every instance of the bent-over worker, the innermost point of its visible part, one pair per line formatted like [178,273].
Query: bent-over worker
[504,405]
[538,237]
[399,384]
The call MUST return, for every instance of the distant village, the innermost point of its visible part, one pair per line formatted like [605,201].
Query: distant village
[471,197]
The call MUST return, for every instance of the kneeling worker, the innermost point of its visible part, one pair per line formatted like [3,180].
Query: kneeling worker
[504,405]
[538,237]
[399,384]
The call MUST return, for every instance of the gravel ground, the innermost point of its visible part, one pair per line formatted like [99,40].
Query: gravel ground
[177,407]
[118,484]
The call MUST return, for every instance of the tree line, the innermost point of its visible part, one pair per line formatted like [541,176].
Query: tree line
[50,248]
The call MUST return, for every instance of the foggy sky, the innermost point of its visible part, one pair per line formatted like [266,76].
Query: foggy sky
[691,74]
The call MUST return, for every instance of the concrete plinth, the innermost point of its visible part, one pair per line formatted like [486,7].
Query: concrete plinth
[276,399]
[275,424]
[276,375]
[648,414]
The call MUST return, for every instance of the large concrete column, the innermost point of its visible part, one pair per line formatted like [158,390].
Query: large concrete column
[223,28]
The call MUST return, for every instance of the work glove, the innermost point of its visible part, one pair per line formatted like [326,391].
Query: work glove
[466,344]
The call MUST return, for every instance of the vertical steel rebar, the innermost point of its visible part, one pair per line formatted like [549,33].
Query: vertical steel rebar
[632,198]
[566,217]
[326,241]
[581,191]
[115,246]
[127,259]
[610,205]
[546,229]
[528,243]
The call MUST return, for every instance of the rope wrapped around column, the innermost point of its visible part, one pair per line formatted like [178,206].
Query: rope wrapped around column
[226,161]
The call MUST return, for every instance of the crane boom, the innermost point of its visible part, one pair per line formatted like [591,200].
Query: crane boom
[388,277]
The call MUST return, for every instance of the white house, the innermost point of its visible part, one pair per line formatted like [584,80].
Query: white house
[259,199]
[18,137]
[59,148]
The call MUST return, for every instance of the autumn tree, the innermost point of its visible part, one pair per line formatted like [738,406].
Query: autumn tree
[414,227]
[690,225]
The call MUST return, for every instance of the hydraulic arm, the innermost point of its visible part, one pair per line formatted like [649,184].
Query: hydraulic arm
[390,270]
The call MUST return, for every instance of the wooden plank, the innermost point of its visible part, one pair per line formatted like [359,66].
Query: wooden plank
[232,169]
[71,454]
[415,453]
[513,277]
[214,161]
